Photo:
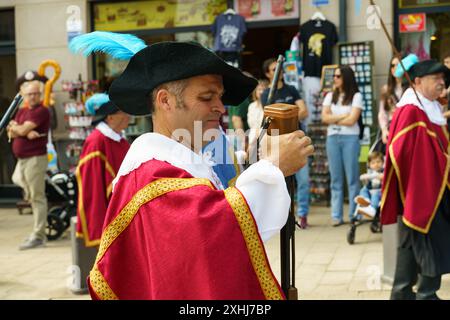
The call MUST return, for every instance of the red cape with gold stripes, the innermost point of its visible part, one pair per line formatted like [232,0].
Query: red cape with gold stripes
[417,169]
[171,236]
[98,165]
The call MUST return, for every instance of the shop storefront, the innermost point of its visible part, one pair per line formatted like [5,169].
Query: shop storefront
[275,21]
[423,27]
[7,86]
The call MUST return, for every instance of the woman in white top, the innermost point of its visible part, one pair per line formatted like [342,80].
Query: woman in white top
[341,111]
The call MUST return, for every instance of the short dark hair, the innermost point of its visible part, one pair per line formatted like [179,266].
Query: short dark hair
[267,63]
[376,155]
[447,55]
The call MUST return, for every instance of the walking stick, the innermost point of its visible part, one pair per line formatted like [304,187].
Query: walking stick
[10,112]
[284,119]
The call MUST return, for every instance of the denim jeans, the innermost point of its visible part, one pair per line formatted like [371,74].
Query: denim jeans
[343,159]
[374,196]
[302,177]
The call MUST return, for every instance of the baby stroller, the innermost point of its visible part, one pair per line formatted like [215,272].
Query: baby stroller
[61,190]
[375,224]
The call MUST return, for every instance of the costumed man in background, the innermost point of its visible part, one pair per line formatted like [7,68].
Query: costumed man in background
[103,152]
[416,185]
[172,231]
[29,130]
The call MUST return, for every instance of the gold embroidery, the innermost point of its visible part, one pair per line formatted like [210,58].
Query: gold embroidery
[90,242]
[102,289]
[146,194]
[386,189]
[254,246]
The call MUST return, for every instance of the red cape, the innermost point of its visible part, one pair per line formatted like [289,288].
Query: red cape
[168,235]
[417,170]
[98,165]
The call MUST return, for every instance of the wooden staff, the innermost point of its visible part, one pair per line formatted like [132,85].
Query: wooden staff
[284,119]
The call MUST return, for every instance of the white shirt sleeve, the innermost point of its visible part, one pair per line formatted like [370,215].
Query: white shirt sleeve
[264,188]
[358,101]
[328,99]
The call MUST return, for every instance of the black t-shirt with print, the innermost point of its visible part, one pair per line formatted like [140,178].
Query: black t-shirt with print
[318,38]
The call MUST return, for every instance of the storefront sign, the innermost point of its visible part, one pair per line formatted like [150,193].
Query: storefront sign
[156,14]
[415,22]
[422,3]
[266,10]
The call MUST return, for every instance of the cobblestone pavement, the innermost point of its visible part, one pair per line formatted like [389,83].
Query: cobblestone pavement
[327,267]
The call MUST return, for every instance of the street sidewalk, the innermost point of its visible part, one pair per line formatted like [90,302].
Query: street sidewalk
[326,266]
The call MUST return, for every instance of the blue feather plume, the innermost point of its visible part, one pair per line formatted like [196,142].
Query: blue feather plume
[117,45]
[95,102]
[408,62]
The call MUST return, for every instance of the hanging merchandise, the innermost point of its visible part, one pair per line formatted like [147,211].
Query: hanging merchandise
[292,69]
[77,119]
[318,37]
[228,30]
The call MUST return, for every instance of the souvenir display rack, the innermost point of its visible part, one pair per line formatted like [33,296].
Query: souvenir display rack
[78,123]
[360,57]
[318,172]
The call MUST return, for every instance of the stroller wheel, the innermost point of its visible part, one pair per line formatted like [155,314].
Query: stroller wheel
[351,235]
[55,226]
[375,227]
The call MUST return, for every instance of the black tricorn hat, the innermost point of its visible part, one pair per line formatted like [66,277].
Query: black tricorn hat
[170,61]
[29,76]
[107,109]
[426,68]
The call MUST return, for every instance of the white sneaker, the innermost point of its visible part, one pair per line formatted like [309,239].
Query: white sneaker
[362,201]
[32,243]
[368,212]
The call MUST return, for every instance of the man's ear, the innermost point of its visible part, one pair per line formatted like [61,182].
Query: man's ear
[165,100]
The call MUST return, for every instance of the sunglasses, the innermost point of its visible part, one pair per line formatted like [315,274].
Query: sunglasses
[394,65]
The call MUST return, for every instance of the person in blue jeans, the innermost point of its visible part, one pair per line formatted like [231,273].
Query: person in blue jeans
[302,177]
[370,195]
[341,110]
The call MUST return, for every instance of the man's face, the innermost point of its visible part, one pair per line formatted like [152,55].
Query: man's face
[32,94]
[431,86]
[202,104]
[119,121]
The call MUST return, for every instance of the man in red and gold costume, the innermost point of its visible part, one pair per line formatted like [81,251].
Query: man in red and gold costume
[416,185]
[172,231]
[103,152]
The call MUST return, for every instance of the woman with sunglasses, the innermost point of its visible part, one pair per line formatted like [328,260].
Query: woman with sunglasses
[390,96]
[341,111]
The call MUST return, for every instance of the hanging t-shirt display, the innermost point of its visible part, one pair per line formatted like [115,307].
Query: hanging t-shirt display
[318,38]
[228,31]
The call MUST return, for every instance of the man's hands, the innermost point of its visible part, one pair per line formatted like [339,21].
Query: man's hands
[289,152]
[34,135]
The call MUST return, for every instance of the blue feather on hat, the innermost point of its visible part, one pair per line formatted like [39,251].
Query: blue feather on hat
[408,62]
[117,45]
[95,102]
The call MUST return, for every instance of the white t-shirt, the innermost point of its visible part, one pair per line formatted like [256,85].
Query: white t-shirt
[339,109]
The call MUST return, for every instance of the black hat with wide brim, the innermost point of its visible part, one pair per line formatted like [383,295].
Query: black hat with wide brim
[170,61]
[107,109]
[426,68]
